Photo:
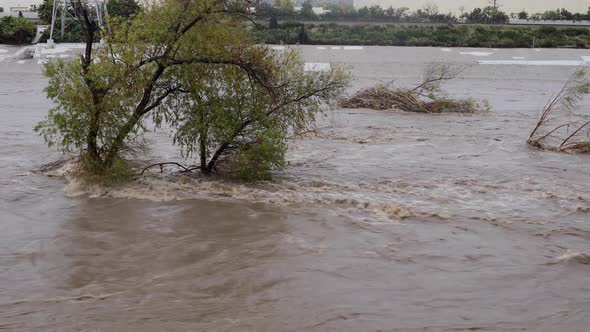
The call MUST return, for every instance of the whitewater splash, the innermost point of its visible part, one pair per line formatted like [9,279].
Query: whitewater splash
[384,199]
[574,257]
[379,198]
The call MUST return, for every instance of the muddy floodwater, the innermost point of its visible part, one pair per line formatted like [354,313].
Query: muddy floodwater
[383,221]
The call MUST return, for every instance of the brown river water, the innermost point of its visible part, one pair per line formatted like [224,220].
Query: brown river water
[384,221]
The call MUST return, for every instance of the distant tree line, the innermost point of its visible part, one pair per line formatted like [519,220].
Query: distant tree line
[560,14]
[496,36]
[430,13]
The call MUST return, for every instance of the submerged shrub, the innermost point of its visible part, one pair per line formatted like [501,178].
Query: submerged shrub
[562,125]
[424,98]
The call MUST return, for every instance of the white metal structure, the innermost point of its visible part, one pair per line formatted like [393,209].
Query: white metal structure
[63,5]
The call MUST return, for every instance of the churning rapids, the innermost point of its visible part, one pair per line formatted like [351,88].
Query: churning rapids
[384,221]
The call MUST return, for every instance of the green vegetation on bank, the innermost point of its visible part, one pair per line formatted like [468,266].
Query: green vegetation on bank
[16,30]
[422,35]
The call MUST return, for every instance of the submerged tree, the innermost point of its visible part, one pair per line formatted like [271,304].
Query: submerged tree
[229,119]
[164,63]
[426,97]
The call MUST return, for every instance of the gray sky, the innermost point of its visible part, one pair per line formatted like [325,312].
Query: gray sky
[444,5]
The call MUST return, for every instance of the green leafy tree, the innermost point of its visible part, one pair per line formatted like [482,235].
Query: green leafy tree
[285,8]
[45,10]
[240,125]
[551,15]
[494,5]
[177,60]
[122,8]
[340,11]
[264,10]
[16,30]
[523,15]
[376,11]
[307,10]
[364,12]
[566,15]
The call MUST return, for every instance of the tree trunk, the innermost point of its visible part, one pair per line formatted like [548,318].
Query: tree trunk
[119,139]
[203,143]
[94,125]
[215,157]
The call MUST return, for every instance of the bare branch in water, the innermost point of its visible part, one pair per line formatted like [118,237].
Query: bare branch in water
[561,127]
[185,169]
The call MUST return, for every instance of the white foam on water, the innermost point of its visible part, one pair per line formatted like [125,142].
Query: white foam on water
[20,62]
[42,61]
[51,56]
[61,48]
[278,48]
[353,48]
[569,63]
[477,53]
[63,56]
[316,66]
[335,47]
[586,58]
[574,256]
[518,58]
[2,51]
[446,50]
[19,52]
[320,48]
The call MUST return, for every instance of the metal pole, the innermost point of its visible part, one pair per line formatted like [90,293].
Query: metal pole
[53,12]
[98,18]
[63,18]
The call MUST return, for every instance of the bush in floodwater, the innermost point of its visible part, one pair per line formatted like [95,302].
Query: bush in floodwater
[561,126]
[427,97]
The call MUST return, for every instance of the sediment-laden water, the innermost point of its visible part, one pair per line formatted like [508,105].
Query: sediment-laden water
[384,221]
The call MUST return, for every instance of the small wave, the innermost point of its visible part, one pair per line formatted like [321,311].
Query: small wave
[574,257]
[393,211]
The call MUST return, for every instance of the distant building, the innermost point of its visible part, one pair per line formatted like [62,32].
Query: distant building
[33,16]
[19,9]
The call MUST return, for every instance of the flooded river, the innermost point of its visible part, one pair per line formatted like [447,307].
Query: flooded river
[384,221]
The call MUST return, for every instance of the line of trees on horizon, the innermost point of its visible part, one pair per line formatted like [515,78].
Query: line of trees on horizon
[430,13]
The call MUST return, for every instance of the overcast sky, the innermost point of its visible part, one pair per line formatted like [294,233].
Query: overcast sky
[444,5]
